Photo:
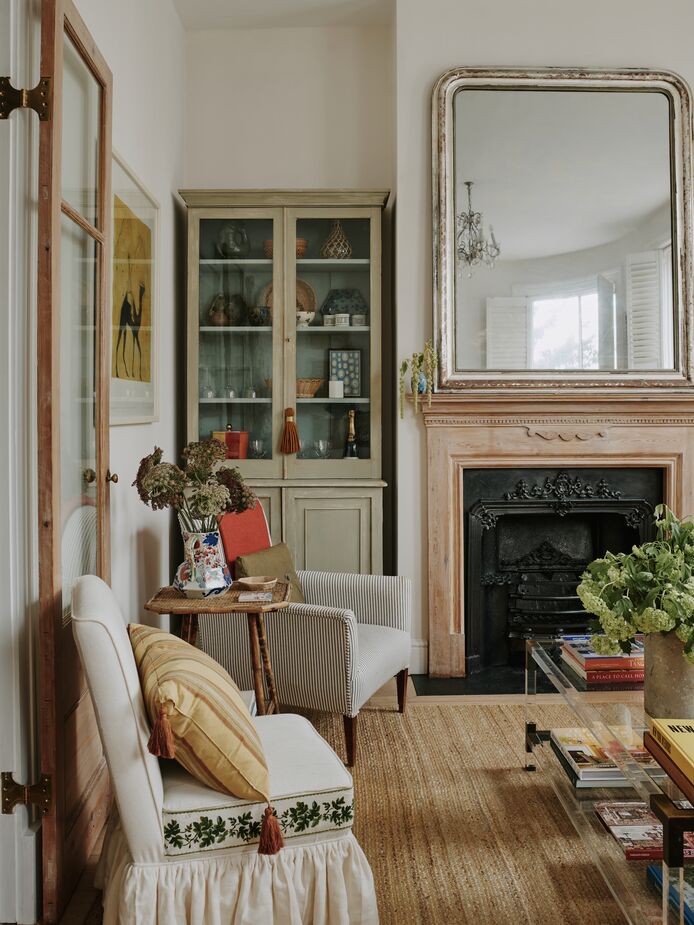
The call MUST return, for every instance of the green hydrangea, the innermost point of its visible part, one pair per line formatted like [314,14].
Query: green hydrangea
[603,645]
[648,590]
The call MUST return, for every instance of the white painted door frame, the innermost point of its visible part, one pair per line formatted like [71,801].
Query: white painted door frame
[19,833]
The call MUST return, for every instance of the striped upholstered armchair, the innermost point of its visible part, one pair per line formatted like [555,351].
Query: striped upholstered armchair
[333,652]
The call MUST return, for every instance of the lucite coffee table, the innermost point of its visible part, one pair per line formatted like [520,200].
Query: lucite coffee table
[606,714]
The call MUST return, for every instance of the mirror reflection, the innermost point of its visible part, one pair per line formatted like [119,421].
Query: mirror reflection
[564,249]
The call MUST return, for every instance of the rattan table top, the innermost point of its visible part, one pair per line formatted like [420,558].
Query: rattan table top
[171,600]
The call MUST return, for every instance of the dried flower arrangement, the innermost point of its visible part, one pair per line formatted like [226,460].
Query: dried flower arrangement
[201,491]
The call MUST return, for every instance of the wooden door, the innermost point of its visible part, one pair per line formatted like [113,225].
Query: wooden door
[72,387]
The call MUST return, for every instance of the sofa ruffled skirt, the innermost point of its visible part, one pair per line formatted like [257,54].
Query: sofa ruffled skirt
[311,882]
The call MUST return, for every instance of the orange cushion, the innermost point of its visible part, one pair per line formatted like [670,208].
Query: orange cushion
[244,533]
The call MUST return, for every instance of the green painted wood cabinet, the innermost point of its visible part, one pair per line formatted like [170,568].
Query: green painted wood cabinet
[284,311]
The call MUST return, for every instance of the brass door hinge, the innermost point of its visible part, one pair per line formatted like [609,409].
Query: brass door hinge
[37,99]
[14,794]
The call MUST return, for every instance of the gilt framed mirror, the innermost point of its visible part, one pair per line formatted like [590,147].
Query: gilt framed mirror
[562,229]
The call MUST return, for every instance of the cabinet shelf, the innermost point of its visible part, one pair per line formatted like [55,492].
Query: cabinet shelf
[234,329]
[334,401]
[358,265]
[235,401]
[236,262]
[322,329]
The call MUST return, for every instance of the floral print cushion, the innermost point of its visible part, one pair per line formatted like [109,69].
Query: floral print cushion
[238,823]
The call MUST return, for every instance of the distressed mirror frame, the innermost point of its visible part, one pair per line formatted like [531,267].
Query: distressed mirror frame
[452,379]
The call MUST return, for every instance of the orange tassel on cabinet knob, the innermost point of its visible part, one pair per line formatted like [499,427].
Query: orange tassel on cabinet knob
[290,434]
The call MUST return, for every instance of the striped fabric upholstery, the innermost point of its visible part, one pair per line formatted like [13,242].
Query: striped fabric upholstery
[319,658]
[214,735]
[383,600]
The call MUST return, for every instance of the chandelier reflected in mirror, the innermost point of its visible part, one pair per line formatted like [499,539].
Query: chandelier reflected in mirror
[472,248]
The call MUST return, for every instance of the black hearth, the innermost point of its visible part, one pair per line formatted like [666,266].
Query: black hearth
[529,534]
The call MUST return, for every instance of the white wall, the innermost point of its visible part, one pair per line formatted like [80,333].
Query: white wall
[440,34]
[143,44]
[289,108]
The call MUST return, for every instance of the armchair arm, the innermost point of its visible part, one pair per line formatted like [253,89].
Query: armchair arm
[314,654]
[381,600]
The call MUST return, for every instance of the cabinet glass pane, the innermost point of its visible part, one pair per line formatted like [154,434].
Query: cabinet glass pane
[78,289]
[235,334]
[80,134]
[333,336]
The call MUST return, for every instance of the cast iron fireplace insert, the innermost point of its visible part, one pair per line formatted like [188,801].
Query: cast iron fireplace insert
[529,534]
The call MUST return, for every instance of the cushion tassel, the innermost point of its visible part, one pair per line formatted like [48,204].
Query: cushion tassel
[290,435]
[271,839]
[161,741]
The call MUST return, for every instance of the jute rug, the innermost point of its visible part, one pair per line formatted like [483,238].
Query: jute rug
[455,830]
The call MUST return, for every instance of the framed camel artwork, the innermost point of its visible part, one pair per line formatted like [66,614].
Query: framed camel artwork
[134,330]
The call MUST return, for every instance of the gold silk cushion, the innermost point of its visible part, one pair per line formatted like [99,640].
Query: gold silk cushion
[277,562]
[214,737]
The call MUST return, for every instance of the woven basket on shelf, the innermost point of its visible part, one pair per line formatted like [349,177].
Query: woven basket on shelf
[307,388]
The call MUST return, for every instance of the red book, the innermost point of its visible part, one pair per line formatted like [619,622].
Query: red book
[618,675]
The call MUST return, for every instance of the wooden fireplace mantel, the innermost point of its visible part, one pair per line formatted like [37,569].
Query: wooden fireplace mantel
[629,428]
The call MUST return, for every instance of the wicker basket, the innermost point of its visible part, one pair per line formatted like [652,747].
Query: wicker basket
[301,245]
[307,388]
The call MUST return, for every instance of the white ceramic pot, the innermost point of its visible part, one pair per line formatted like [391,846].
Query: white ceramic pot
[668,690]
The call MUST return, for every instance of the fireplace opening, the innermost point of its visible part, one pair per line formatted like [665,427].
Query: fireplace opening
[529,534]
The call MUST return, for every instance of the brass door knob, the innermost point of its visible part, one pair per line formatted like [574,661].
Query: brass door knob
[89,476]
[111,476]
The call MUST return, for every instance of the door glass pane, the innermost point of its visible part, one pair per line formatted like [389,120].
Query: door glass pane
[235,380]
[333,337]
[78,292]
[80,135]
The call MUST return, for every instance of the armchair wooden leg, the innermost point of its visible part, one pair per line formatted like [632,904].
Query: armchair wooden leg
[350,738]
[401,678]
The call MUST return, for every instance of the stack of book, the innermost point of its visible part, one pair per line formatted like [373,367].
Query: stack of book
[671,742]
[587,764]
[637,830]
[599,672]
[654,874]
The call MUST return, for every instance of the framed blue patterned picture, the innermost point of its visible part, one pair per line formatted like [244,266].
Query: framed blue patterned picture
[345,365]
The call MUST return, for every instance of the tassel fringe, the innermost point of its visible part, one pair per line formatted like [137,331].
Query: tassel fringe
[271,838]
[161,742]
[290,435]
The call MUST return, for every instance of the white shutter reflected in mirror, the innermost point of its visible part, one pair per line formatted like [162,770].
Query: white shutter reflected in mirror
[508,333]
[644,335]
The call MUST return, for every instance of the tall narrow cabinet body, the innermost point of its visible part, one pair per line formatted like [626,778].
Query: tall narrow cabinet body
[284,312]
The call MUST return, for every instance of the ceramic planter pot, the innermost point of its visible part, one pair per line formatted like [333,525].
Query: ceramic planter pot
[668,691]
[204,571]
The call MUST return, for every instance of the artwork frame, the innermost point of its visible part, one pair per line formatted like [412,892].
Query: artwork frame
[345,364]
[134,390]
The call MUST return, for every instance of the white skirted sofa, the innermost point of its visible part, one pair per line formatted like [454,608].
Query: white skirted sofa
[178,853]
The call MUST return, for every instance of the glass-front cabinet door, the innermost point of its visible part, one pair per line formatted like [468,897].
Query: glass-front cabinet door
[235,330]
[333,373]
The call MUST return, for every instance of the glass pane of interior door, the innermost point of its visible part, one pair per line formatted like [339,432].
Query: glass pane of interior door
[80,134]
[78,464]
[333,336]
[235,380]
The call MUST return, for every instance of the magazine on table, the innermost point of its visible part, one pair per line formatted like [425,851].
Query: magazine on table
[637,830]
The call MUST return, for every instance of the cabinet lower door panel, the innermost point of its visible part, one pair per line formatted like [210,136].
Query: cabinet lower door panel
[336,530]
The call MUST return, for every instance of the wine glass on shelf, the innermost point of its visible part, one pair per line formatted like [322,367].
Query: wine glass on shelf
[257,448]
[322,448]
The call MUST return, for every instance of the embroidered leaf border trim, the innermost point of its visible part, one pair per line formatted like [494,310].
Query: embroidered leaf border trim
[206,831]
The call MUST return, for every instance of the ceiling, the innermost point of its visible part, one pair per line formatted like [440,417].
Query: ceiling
[558,172]
[197,15]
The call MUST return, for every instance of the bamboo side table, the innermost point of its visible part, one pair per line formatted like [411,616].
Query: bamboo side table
[170,600]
